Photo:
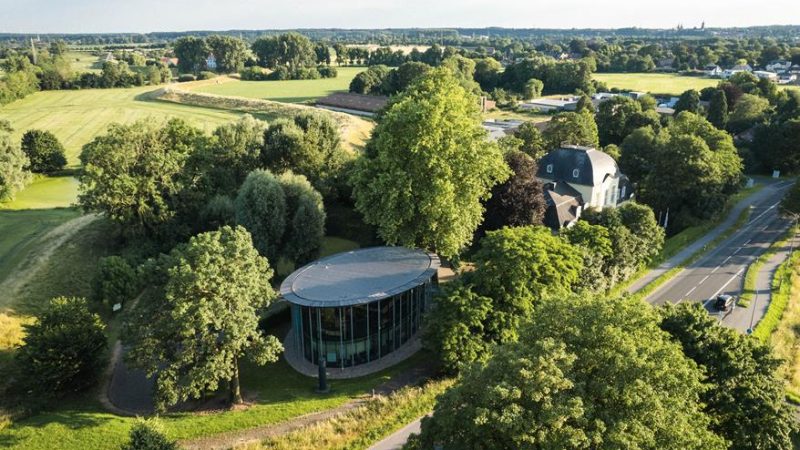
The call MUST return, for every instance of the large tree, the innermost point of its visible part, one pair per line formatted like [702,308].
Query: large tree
[134,174]
[233,151]
[291,50]
[688,101]
[750,110]
[261,209]
[514,268]
[305,219]
[612,117]
[230,52]
[571,128]
[192,332]
[310,145]
[519,201]
[588,373]
[13,168]
[776,146]
[44,151]
[191,52]
[64,349]
[718,109]
[533,143]
[746,398]
[427,168]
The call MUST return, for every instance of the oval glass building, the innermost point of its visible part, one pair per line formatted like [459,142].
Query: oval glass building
[359,306]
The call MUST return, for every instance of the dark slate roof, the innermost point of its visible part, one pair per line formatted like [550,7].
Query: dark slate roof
[359,276]
[356,102]
[593,165]
[563,202]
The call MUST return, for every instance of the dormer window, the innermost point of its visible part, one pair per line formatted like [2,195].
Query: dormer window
[575,173]
[549,168]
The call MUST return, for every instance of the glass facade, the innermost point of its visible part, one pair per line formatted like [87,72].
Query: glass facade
[351,335]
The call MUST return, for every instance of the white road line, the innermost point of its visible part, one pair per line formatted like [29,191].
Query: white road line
[690,291]
[704,279]
[762,214]
[726,260]
[737,251]
[723,286]
[715,269]
[748,241]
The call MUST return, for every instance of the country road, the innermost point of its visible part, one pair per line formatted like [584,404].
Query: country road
[721,270]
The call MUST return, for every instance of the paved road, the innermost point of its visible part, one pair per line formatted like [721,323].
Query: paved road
[721,270]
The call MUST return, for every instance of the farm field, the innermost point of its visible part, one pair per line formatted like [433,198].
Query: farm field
[656,83]
[289,91]
[76,117]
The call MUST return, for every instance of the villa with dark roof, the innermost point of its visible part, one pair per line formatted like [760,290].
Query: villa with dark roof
[576,178]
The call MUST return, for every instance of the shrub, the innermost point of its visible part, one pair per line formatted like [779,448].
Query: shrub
[45,152]
[114,282]
[63,351]
[186,77]
[148,434]
[253,73]
[206,75]
[327,71]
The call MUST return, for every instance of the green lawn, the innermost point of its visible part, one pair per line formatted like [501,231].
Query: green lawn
[44,193]
[280,394]
[656,83]
[77,116]
[290,91]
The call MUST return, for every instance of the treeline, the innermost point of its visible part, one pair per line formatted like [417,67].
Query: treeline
[51,69]
[38,152]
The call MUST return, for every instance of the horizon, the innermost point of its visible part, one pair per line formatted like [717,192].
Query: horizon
[136,17]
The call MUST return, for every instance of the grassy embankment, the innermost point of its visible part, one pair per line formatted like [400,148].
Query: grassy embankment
[364,426]
[781,323]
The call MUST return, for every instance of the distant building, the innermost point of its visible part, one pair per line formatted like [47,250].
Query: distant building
[727,73]
[211,62]
[550,104]
[778,66]
[577,178]
[500,128]
[787,78]
[169,62]
[109,57]
[351,103]
[764,74]
[713,70]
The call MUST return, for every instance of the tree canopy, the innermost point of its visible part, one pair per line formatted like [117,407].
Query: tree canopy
[45,152]
[13,163]
[519,200]
[587,373]
[427,167]
[291,50]
[192,332]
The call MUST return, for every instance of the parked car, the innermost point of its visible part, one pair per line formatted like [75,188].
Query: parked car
[725,302]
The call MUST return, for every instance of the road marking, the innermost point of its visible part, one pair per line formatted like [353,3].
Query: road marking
[726,259]
[737,251]
[723,286]
[762,214]
[690,291]
[748,241]
[704,279]
[715,269]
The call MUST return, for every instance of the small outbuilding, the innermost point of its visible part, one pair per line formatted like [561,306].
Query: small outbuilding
[358,307]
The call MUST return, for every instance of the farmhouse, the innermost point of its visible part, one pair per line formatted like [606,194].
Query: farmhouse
[211,62]
[787,78]
[351,103]
[576,178]
[778,66]
[727,73]
[713,70]
[359,308]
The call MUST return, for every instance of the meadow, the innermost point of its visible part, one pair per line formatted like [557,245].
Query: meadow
[656,83]
[84,62]
[77,116]
[288,91]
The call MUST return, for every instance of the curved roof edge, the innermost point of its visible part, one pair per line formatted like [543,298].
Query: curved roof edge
[288,294]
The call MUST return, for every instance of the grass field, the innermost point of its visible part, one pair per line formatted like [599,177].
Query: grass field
[290,91]
[785,340]
[656,83]
[84,62]
[76,117]
[44,193]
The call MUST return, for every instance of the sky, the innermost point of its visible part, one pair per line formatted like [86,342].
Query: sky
[139,16]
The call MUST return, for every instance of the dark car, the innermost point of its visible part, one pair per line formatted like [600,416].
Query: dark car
[725,302]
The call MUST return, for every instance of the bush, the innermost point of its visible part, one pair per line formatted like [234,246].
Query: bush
[148,434]
[63,351]
[253,73]
[114,282]
[45,152]
[186,77]
[206,75]
[327,71]
[280,73]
